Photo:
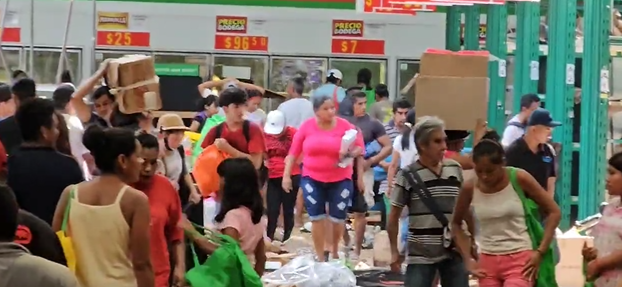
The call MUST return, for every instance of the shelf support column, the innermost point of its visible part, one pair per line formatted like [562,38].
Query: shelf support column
[496,44]
[594,105]
[471,27]
[452,29]
[560,81]
[527,65]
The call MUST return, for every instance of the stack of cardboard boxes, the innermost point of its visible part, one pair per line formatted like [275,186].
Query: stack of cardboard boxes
[133,81]
[454,87]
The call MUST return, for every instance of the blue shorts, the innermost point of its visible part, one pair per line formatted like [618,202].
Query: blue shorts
[317,195]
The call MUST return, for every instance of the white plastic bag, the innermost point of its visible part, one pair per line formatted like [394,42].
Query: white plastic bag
[304,271]
[346,143]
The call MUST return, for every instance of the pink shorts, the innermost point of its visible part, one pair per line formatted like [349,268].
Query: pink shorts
[505,270]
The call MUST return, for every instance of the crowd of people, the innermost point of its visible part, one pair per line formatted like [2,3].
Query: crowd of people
[120,187]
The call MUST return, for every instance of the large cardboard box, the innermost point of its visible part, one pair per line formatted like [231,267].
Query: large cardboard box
[453,86]
[569,270]
[133,81]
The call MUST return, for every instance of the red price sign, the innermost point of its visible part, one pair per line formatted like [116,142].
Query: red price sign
[12,35]
[123,39]
[357,46]
[241,43]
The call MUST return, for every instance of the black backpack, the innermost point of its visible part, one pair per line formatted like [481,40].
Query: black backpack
[246,127]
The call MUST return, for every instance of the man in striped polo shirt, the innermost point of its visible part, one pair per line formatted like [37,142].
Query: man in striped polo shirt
[394,127]
[427,253]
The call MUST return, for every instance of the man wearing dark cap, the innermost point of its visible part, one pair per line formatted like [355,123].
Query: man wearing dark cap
[532,152]
[22,90]
[516,125]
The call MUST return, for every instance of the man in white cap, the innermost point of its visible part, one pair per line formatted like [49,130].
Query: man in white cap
[332,87]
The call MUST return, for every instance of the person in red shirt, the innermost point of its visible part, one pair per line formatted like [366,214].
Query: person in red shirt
[278,141]
[236,136]
[165,208]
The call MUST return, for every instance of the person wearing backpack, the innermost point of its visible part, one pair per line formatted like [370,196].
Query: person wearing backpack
[514,249]
[428,187]
[516,125]
[236,137]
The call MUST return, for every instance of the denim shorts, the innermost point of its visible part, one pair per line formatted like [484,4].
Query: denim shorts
[317,195]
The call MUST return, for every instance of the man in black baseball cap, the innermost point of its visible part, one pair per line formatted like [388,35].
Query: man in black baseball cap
[534,154]
[516,125]
[532,151]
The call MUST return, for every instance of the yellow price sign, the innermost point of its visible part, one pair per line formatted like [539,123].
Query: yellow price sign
[116,38]
[237,43]
[357,46]
[348,46]
[241,43]
[119,39]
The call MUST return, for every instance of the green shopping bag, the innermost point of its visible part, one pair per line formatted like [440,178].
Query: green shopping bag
[209,124]
[546,273]
[228,266]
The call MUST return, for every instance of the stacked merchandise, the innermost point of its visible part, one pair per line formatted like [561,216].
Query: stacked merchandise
[133,81]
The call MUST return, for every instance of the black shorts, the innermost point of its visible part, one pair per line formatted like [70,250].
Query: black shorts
[359,205]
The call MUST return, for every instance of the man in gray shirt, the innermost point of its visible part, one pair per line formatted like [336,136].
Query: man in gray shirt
[382,109]
[378,147]
[297,109]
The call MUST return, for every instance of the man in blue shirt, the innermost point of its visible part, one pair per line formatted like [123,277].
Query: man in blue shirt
[332,87]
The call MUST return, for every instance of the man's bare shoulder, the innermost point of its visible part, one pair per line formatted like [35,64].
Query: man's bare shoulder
[32,270]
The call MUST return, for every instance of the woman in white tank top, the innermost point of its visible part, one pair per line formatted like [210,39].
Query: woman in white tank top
[507,256]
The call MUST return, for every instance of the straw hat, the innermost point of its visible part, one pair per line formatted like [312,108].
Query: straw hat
[171,122]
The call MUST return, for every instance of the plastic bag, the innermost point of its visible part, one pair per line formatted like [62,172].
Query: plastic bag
[304,271]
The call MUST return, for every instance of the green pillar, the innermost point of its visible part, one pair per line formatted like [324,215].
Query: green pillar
[496,44]
[471,27]
[452,33]
[526,74]
[560,93]
[595,92]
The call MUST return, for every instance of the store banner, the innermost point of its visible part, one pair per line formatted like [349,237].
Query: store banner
[122,29]
[450,2]
[232,34]
[349,38]
[12,33]
[385,7]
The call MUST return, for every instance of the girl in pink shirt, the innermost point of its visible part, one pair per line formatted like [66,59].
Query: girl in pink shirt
[323,182]
[241,211]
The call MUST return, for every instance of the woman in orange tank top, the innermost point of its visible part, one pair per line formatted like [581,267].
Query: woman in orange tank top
[108,220]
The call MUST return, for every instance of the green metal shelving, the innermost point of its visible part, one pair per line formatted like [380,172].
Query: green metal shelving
[496,44]
[561,53]
[560,81]
[594,105]
[527,70]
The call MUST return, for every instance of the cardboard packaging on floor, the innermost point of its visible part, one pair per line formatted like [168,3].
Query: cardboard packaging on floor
[133,81]
[382,249]
[454,87]
[569,270]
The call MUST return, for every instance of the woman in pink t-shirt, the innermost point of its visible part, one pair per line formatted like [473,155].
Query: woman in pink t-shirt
[323,182]
[241,210]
